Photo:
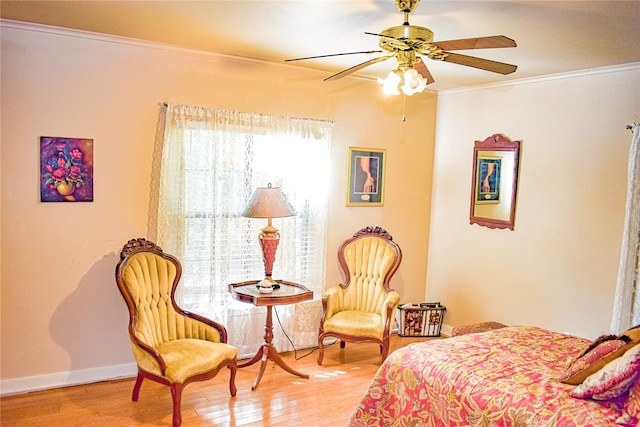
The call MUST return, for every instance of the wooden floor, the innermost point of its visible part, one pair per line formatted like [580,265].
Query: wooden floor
[327,398]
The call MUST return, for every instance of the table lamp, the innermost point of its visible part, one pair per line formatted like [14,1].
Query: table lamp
[268,202]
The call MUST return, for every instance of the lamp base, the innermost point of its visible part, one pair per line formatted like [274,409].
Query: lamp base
[265,290]
[260,285]
[266,286]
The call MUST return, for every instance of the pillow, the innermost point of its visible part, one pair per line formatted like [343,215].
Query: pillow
[633,333]
[613,380]
[598,354]
[632,404]
[592,359]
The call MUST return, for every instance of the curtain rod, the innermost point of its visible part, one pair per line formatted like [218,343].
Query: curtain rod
[166,104]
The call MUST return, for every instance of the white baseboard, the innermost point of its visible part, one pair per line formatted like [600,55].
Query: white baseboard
[65,379]
[446,330]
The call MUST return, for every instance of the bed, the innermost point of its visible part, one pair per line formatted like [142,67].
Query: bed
[504,377]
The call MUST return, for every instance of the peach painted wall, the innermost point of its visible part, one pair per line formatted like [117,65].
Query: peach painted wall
[558,267]
[61,311]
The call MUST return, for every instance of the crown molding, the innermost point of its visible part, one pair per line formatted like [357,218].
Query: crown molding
[108,38]
[550,77]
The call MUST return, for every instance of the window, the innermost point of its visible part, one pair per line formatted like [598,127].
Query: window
[212,161]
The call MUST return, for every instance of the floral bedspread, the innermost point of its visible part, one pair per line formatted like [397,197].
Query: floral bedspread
[505,377]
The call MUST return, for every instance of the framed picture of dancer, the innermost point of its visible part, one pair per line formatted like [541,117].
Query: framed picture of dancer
[365,177]
[488,179]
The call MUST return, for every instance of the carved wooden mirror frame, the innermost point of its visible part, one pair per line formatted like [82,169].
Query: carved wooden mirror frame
[494,182]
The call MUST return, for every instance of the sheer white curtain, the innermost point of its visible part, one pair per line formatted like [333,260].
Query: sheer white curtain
[626,310]
[211,162]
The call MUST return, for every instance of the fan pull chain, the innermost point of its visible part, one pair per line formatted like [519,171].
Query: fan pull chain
[404,105]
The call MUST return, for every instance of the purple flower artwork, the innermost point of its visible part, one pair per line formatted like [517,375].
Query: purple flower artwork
[66,169]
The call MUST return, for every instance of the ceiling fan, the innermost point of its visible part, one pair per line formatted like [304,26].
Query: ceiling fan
[407,43]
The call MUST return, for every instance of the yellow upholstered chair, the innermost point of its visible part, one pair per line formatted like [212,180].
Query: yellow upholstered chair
[170,345]
[362,309]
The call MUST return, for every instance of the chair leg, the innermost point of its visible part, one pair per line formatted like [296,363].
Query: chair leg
[176,396]
[384,350]
[136,387]
[320,349]
[232,379]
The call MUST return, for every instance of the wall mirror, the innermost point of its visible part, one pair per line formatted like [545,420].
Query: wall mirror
[495,177]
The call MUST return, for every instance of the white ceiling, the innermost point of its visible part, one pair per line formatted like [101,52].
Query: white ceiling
[553,36]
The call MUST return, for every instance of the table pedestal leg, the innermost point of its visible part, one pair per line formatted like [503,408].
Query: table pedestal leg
[268,351]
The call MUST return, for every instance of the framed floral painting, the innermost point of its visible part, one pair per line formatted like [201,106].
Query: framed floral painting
[66,169]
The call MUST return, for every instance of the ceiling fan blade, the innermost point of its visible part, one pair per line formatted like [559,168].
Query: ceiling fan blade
[378,35]
[483,64]
[397,43]
[422,69]
[477,43]
[358,67]
[333,54]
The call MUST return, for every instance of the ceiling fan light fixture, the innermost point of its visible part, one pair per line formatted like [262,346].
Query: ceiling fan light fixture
[408,80]
[391,82]
[413,82]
